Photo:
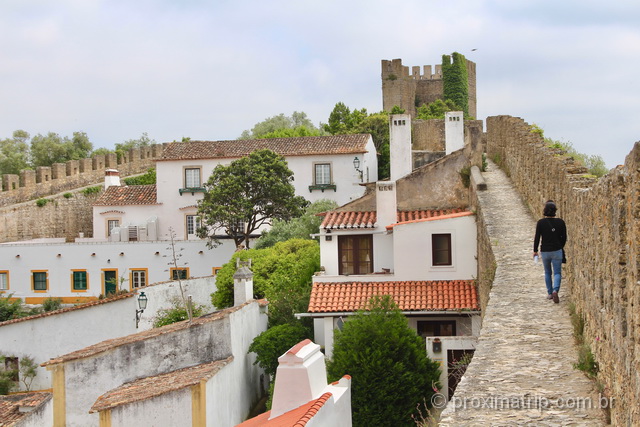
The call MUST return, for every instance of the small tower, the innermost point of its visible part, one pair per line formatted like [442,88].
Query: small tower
[242,282]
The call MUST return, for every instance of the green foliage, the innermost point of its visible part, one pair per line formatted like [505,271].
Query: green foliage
[392,77]
[28,371]
[41,202]
[177,313]
[465,175]
[397,110]
[282,274]
[594,163]
[67,195]
[52,148]
[391,373]
[587,361]
[247,194]
[92,190]
[123,148]
[14,153]
[146,179]
[484,162]
[436,109]
[13,308]
[273,343]
[7,378]
[281,126]
[296,228]
[455,81]
[343,121]
[102,152]
[534,128]
[51,304]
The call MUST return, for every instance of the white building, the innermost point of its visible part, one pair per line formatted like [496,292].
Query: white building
[131,224]
[424,258]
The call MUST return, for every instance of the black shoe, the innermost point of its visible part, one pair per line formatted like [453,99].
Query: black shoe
[554,295]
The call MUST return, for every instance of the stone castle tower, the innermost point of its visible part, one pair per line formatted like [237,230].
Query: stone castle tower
[410,90]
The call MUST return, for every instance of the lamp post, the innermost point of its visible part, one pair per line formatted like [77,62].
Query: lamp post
[356,166]
[142,304]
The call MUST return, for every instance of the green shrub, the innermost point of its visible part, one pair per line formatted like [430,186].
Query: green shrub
[67,195]
[146,179]
[51,304]
[587,361]
[465,175]
[92,190]
[273,343]
[41,202]
[177,313]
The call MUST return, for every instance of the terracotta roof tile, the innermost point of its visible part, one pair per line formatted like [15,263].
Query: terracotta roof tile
[298,417]
[131,195]
[300,146]
[149,387]
[449,295]
[367,219]
[10,405]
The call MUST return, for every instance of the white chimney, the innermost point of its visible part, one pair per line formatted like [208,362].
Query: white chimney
[111,178]
[386,204]
[242,282]
[400,145]
[300,378]
[453,131]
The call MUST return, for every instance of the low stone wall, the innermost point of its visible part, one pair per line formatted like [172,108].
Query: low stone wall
[602,273]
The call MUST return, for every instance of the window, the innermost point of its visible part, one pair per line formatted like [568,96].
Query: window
[138,278]
[355,254]
[437,328]
[39,281]
[4,280]
[80,280]
[193,223]
[111,224]
[192,178]
[179,273]
[322,174]
[441,249]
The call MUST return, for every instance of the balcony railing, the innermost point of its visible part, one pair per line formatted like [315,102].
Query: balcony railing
[192,190]
[322,187]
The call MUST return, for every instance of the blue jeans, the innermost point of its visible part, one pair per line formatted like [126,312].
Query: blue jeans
[552,262]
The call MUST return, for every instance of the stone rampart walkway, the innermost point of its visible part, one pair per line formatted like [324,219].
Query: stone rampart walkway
[522,371]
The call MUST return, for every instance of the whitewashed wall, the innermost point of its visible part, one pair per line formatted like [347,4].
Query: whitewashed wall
[137,255]
[416,263]
[448,343]
[169,409]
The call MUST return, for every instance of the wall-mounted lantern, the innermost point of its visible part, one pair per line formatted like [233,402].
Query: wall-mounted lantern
[356,166]
[437,345]
[142,304]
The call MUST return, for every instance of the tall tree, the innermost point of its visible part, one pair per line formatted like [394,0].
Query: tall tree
[52,148]
[298,124]
[391,373]
[14,153]
[247,194]
[123,147]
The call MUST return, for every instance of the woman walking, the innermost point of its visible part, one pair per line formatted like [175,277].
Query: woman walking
[553,232]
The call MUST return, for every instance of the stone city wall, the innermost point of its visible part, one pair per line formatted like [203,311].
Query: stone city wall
[602,274]
[60,177]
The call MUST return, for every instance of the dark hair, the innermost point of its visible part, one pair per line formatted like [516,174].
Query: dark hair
[549,208]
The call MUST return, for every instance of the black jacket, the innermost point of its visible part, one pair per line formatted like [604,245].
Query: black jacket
[553,232]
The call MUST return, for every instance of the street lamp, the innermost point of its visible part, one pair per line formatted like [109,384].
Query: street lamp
[356,166]
[142,303]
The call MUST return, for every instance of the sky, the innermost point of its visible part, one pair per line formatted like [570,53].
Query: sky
[209,69]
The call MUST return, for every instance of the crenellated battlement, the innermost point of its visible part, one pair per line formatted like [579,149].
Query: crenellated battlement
[394,69]
[47,180]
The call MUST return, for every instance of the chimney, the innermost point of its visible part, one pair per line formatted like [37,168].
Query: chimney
[242,282]
[386,204]
[400,145]
[300,378]
[111,178]
[453,131]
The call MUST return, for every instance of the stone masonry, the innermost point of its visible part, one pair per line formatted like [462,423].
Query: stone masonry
[522,371]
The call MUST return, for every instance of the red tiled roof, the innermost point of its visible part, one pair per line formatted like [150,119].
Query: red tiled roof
[299,146]
[131,195]
[10,405]
[367,219]
[149,387]
[298,417]
[410,296]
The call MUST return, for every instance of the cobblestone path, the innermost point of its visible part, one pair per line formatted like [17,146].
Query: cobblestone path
[522,371]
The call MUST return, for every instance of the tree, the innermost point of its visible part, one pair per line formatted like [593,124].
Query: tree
[28,371]
[14,153]
[273,343]
[247,194]
[436,109]
[282,274]
[52,148]
[296,228]
[391,373]
[298,124]
[122,148]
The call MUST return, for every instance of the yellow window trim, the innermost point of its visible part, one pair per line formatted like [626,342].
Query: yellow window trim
[33,285]
[87,276]
[171,270]
[8,284]
[146,278]
[102,284]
